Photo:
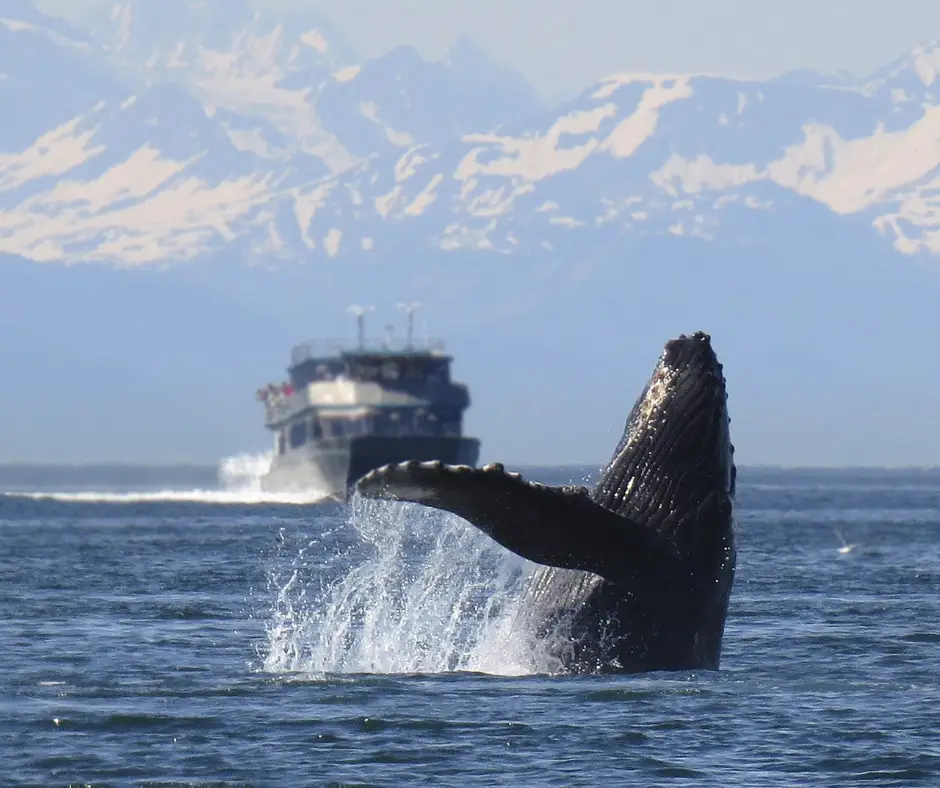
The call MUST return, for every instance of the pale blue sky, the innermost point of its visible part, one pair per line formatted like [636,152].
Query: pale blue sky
[562,45]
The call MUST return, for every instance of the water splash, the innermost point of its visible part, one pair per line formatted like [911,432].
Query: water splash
[239,483]
[244,471]
[398,588]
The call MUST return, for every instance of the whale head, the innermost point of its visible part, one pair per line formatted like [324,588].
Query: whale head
[674,466]
[652,548]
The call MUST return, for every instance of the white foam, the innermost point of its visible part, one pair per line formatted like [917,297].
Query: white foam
[239,483]
[418,591]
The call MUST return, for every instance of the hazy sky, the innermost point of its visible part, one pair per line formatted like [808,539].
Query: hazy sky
[562,45]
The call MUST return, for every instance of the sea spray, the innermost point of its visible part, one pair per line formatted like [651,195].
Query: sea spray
[244,471]
[239,483]
[399,588]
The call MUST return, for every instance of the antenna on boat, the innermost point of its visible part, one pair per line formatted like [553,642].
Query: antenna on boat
[410,309]
[360,313]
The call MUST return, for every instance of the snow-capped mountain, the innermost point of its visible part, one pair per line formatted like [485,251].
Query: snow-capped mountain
[181,129]
[556,247]
[237,61]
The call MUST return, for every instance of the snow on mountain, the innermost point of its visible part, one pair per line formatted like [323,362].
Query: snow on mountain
[143,179]
[914,77]
[49,73]
[397,101]
[181,129]
[656,153]
[234,58]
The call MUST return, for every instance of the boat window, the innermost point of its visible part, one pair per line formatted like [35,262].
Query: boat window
[280,442]
[381,424]
[298,434]
[365,371]
[390,370]
[421,422]
[429,424]
[359,425]
[316,431]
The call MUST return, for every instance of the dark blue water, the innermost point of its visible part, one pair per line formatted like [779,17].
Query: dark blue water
[160,641]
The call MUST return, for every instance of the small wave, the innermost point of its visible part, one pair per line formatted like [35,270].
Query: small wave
[239,483]
[170,496]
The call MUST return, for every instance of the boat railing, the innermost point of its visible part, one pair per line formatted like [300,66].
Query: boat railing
[279,407]
[324,348]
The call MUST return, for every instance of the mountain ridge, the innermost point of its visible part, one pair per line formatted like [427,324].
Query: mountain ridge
[330,156]
[177,224]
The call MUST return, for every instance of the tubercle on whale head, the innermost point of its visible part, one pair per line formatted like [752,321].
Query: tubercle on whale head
[700,394]
[693,353]
[688,379]
[676,448]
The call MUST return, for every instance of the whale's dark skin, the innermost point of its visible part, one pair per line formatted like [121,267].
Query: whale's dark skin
[635,575]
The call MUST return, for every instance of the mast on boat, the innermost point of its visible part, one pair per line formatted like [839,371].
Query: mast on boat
[410,309]
[360,313]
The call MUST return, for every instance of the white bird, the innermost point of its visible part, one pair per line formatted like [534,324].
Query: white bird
[846,547]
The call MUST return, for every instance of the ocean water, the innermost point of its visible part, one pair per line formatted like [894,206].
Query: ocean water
[211,635]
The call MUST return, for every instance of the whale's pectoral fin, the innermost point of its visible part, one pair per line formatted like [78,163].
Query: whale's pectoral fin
[557,526]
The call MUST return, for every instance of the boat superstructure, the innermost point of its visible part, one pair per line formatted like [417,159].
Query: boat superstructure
[348,408]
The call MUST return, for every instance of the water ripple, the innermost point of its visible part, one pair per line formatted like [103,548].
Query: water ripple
[199,643]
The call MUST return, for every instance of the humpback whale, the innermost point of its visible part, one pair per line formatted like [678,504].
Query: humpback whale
[635,575]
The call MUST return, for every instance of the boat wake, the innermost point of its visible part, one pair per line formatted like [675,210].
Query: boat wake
[401,589]
[239,482]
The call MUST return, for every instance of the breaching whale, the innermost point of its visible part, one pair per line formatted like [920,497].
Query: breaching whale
[635,575]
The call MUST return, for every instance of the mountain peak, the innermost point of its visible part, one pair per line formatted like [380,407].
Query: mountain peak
[925,60]
[22,11]
[467,56]
[23,15]
[466,52]
[917,73]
